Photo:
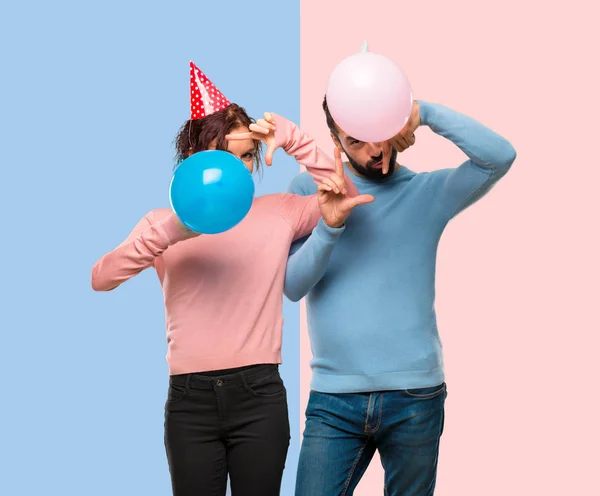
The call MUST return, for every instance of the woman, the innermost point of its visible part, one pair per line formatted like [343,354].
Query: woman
[226,411]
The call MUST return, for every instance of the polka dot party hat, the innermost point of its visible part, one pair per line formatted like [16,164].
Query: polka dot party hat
[205,98]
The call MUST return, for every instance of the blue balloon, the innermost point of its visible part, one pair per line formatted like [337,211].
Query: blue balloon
[211,191]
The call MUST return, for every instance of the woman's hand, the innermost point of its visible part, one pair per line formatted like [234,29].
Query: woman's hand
[263,129]
[188,233]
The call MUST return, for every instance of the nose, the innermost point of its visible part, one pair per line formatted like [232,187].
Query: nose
[375,149]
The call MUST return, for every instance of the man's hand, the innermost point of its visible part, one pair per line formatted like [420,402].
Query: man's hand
[263,129]
[332,195]
[406,138]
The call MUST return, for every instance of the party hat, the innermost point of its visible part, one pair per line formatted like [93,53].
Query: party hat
[205,98]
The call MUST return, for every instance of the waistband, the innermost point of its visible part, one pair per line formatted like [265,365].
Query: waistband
[225,378]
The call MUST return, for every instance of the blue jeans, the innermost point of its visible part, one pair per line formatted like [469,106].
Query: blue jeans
[343,431]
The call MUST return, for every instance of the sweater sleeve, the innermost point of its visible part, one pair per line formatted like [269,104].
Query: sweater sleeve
[490,156]
[148,240]
[301,212]
[309,255]
[303,148]
[308,260]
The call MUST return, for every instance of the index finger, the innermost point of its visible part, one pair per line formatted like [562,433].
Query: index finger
[339,166]
[270,117]
[240,136]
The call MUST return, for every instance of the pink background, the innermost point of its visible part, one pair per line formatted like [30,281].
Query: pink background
[518,272]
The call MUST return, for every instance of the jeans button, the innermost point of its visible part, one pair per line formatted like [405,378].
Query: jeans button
[219,382]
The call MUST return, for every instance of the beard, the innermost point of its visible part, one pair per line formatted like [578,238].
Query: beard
[370,171]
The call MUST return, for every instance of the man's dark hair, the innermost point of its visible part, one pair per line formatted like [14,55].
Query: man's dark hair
[330,122]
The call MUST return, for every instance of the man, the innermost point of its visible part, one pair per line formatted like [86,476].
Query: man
[378,378]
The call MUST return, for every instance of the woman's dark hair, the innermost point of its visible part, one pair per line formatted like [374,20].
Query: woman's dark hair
[196,135]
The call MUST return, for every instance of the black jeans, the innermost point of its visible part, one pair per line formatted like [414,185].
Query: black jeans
[227,422]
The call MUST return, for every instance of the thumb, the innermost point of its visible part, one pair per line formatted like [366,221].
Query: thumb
[360,200]
[269,154]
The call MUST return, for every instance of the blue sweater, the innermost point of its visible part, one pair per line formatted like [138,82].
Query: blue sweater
[371,283]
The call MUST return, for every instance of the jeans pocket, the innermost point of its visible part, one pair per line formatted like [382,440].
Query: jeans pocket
[176,393]
[266,387]
[426,393]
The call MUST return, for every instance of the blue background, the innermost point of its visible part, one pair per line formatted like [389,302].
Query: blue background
[92,96]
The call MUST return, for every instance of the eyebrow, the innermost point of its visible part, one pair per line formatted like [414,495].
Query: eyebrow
[350,138]
[249,150]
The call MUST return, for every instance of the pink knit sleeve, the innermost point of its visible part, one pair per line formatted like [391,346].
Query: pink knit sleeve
[148,240]
[303,148]
[302,213]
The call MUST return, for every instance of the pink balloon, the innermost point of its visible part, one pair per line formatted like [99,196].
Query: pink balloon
[369,97]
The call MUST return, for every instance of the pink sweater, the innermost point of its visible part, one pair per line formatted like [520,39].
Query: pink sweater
[223,293]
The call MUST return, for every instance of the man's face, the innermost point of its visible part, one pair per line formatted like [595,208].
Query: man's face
[367,159]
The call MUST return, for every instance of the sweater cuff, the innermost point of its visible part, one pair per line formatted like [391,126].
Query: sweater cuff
[169,229]
[326,233]
[284,132]
[426,113]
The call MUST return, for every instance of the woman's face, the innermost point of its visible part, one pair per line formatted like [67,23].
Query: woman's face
[242,149]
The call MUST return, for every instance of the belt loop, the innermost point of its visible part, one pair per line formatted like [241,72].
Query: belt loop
[242,377]
[188,380]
